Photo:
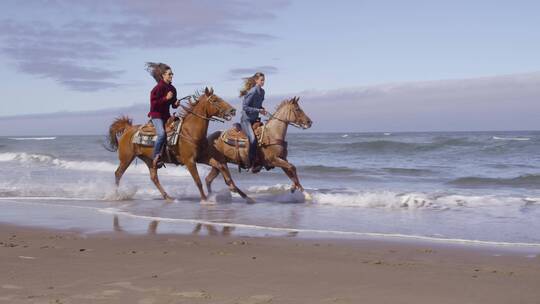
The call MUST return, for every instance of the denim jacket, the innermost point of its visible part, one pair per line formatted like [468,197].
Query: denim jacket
[252,103]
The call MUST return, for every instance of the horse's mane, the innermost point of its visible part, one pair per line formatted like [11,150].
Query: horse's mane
[284,103]
[185,109]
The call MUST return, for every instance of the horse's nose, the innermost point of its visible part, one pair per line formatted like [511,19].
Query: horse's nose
[233,111]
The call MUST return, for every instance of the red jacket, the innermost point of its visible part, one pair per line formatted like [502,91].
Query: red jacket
[159,105]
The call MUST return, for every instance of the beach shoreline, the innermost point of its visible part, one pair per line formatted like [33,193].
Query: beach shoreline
[211,266]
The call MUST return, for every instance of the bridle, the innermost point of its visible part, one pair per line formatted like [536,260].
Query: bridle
[292,122]
[221,111]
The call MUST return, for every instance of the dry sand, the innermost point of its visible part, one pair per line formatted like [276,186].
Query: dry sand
[47,266]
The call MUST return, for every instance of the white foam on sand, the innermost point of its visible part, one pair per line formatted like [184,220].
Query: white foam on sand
[320,231]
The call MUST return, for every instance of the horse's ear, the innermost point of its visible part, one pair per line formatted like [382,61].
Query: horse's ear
[295,100]
[211,91]
[207,91]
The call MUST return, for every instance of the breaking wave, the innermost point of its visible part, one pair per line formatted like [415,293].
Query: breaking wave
[27,159]
[522,181]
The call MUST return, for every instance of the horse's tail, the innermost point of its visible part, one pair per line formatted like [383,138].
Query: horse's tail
[116,129]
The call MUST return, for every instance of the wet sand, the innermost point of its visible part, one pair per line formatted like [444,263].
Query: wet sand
[48,266]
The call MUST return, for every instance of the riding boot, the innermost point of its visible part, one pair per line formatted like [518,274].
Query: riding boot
[158,161]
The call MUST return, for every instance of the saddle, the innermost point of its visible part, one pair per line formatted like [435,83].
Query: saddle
[148,129]
[236,137]
[146,134]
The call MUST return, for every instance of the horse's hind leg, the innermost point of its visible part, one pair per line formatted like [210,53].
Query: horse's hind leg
[210,178]
[155,179]
[125,161]
[224,170]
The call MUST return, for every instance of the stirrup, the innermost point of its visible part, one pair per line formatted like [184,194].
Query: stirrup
[256,168]
[158,163]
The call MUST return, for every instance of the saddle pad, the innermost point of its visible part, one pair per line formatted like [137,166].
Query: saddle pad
[150,140]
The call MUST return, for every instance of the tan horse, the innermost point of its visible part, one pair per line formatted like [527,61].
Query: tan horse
[190,147]
[272,145]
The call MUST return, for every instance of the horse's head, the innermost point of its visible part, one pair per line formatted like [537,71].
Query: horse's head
[290,112]
[215,106]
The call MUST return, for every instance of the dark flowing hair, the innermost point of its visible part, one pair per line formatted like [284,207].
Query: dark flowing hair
[157,69]
[249,83]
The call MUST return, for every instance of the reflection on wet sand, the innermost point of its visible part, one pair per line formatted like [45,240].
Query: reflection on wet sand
[211,229]
[153,225]
[116,224]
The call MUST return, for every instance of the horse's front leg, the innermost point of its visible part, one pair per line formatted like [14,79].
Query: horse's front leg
[290,170]
[192,168]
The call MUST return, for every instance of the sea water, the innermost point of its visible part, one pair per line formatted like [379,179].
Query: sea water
[477,187]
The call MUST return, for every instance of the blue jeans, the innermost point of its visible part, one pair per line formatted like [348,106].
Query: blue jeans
[161,136]
[246,126]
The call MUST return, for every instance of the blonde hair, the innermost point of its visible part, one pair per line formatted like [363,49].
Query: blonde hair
[249,83]
[157,69]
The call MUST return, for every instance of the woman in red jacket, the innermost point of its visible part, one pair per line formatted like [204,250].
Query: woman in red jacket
[163,96]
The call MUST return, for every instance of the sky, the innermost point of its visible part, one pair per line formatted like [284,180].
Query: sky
[381,60]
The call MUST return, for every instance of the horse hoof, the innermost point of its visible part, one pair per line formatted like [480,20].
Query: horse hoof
[308,196]
[169,199]
[250,201]
[207,202]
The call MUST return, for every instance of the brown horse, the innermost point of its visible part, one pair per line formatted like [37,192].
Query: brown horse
[271,144]
[190,147]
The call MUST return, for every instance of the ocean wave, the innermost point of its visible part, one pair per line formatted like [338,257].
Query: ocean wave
[32,138]
[522,181]
[409,171]
[511,138]
[403,146]
[388,199]
[317,169]
[81,190]
[411,201]
[29,159]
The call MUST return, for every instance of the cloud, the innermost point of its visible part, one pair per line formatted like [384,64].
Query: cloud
[246,72]
[491,103]
[67,43]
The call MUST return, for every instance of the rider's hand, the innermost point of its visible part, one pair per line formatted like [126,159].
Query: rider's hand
[177,103]
[263,111]
[169,95]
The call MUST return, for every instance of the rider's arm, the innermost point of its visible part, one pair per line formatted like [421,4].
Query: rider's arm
[158,96]
[248,98]
[174,99]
